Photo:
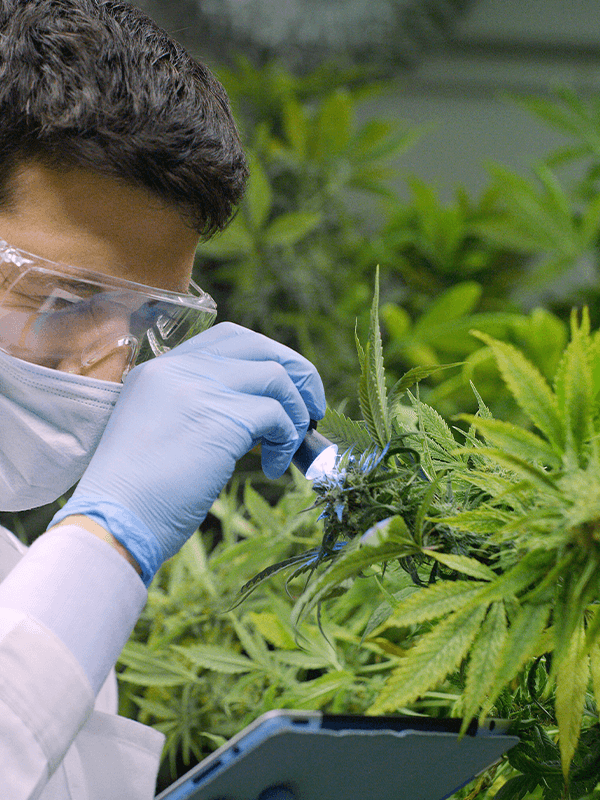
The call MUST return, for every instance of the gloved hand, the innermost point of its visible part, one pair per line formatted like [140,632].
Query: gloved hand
[180,424]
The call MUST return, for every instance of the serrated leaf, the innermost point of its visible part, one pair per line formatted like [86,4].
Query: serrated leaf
[514,440]
[216,658]
[151,670]
[260,511]
[484,521]
[352,560]
[301,660]
[345,432]
[516,788]
[571,684]
[483,660]
[413,376]
[521,644]
[435,655]
[314,694]
[372,394]
[535,476]
[528,387]
[432,603]
[464,565]
[595,671]
[574,392]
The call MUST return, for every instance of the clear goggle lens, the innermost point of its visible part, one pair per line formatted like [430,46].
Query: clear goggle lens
[88,323]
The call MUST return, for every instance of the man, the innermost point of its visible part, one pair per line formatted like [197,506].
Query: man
[117,153]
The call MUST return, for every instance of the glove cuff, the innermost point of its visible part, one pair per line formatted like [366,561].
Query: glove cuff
[128,529]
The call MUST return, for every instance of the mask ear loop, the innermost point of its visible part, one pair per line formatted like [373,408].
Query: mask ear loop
[107,345]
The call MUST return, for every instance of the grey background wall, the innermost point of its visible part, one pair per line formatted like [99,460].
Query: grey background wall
[455,84]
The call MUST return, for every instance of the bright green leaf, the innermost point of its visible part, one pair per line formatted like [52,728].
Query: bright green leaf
[571,685]
[288,229]
[436,654]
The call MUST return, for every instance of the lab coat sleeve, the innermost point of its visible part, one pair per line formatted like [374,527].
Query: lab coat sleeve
[66,611]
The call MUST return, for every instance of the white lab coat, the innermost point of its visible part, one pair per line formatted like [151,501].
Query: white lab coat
[58,742]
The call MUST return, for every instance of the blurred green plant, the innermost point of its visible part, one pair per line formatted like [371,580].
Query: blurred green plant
[289,263]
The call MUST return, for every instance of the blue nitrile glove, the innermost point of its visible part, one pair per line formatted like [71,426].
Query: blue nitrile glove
[180,424]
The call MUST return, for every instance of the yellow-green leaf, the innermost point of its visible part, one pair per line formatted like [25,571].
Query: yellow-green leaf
[521,644]
[515,440]
[436,654]
[259,195]
[290,228]
[432,603]
[529,388]
[217,658]
[574,391]
[571,684]
[483,661]
[595,671]
[465,565]
[273,629]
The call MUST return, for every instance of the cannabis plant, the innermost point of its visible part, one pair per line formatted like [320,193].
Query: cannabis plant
[497,524]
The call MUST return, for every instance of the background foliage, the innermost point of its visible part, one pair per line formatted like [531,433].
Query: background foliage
[298,264]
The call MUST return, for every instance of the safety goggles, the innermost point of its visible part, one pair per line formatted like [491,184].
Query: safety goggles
[72,319]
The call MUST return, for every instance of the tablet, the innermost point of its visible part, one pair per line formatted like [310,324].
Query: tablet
[310,755]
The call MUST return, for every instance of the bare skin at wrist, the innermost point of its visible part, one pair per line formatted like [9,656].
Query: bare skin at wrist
[97,529]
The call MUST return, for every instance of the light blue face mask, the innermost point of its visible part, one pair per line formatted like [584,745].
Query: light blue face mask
[50,425]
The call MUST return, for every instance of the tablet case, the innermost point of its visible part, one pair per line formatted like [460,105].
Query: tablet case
[307,755]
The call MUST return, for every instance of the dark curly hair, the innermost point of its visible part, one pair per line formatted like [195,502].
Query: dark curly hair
[97,84]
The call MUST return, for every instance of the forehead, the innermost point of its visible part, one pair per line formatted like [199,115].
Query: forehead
[95,222]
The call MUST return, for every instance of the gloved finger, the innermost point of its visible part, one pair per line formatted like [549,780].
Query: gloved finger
[273,428]
[263,379]
[229,340]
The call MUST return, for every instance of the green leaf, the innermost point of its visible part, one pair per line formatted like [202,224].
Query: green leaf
[484,521]
[574,390]
[147,669]
[351,561]
[335,122]
[450,305]
[432,603]
[464,565]
[295,127]
[233,242]
[302,660]
[571,685]
[272,629]
[259,196]
[288,229]
[483,660]
[522,643]
[413,376]
[535,476]
[216,658]
[260,511]
[514,440]
[595,669]
[344,432]
[396,320]
[372,393]
[528,387]
[435,655]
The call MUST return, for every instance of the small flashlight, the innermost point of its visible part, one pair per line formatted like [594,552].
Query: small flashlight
[316,456]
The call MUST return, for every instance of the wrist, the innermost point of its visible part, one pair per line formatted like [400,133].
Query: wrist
[102,533]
